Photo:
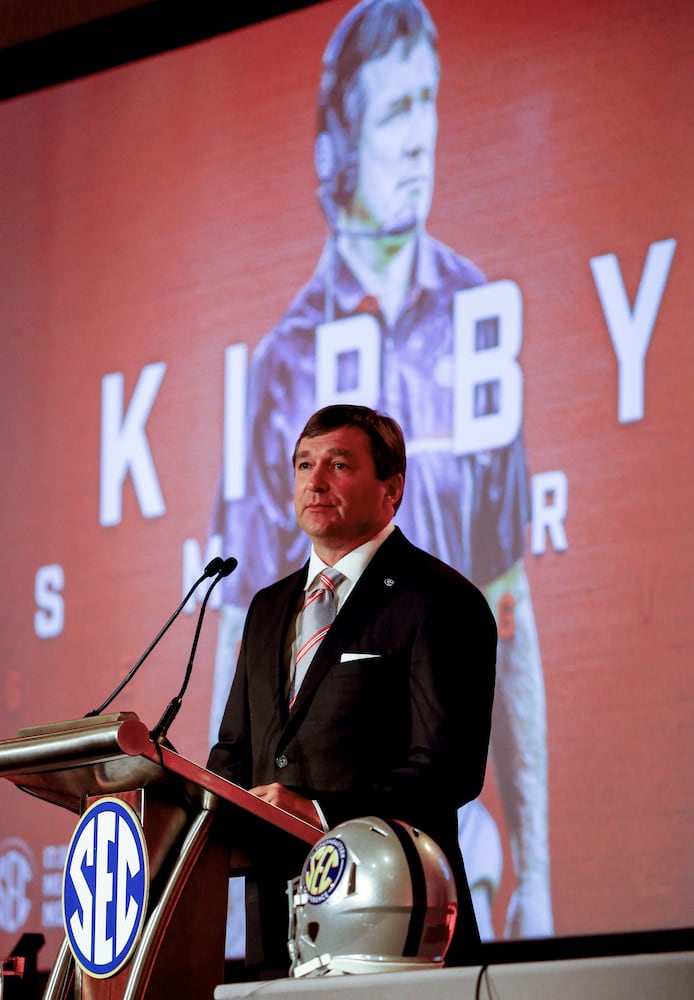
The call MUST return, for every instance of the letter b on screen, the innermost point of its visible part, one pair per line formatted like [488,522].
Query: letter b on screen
[493,365]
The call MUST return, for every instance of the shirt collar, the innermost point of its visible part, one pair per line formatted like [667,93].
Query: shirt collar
[354,563]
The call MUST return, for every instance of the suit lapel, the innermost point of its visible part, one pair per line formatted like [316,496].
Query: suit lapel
[379,584]
[286,596]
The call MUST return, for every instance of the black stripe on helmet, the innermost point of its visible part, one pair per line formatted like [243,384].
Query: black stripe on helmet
[419,889]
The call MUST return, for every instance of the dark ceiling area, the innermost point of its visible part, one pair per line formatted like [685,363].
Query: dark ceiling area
[44,42]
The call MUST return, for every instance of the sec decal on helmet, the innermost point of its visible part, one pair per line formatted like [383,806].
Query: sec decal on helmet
[374,895]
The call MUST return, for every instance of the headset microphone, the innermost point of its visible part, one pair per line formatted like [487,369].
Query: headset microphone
[405,224]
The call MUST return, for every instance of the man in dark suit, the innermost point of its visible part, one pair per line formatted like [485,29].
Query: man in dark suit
[392,715]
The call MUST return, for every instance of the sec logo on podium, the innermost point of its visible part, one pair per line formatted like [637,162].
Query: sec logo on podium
[105,887]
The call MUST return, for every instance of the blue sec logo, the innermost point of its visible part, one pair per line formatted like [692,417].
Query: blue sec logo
[105,887]
[323,869]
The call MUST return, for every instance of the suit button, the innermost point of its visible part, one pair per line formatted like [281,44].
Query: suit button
[281,760]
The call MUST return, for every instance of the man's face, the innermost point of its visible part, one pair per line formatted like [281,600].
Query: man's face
[398,137]
[338,499]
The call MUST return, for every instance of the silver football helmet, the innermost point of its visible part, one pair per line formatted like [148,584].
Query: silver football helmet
[374,895]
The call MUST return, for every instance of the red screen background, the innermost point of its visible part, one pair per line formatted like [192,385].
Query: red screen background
[164,210]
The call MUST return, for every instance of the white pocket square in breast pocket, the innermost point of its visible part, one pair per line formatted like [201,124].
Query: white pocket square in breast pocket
[346,657]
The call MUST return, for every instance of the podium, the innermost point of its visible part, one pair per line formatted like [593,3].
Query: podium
[197,827]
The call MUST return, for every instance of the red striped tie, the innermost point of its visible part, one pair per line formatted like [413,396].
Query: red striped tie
[317,616]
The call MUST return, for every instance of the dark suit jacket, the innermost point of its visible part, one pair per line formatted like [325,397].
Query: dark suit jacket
[401,731]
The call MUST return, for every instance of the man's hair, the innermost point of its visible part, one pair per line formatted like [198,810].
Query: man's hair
[385,436]
[367,32]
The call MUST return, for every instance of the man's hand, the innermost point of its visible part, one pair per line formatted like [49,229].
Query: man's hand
[291,802]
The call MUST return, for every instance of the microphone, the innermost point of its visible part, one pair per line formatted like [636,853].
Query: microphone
[159,732]
[406,221]
[215,566]
[407,224]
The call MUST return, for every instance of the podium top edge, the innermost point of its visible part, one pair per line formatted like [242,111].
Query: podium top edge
[77,725]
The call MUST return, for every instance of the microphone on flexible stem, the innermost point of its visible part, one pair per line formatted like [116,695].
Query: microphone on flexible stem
[212,568]
[159,732]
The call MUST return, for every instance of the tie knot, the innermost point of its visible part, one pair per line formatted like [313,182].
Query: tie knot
[329,579]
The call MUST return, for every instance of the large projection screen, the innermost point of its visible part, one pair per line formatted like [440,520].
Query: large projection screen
[157,219]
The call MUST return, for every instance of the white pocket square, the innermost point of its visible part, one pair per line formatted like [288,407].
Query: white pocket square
[346,657]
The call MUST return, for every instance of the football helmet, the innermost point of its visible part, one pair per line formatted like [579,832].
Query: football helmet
[374,895]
